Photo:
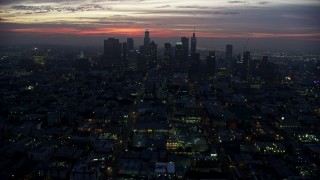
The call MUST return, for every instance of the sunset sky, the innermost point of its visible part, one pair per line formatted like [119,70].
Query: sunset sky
[51,20]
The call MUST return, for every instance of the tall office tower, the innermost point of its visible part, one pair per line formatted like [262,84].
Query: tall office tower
[195,70]
[112,52]
[142,62]
[125,55]
[246,65]
[141,50]
[130,44]
[193,42]
[195,57]
[153,54]
[179,54]
[130,48]
[146,43]
[167,54]
[211,63]
[229,63]
[185,48]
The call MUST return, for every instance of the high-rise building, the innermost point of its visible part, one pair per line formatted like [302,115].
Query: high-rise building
[153,54]
[167,54]
[264,68]
[193,42]
[125,54]
[195,57]
[195,69]
[146,43]
[246,64]
[141,61]
[246,58]
[130,49]
[130,44]
[211,63]
[112,52]
[179,53]
[141,50]
[185,48]
[229,63]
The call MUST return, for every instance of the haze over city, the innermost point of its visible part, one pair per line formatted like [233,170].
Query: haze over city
[159,89]
[288,25]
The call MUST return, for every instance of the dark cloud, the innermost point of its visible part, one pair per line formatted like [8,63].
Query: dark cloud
[193,7]
[235,2]
[165,6]
[193,12]
[4,2]
[9,1]
[263,2]
[46,9]
[226,13]
[31,8]
[119,16]
[116,22]
[12,2]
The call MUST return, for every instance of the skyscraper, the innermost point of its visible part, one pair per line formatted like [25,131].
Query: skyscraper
[130,44]
[266,70]
[179,53]
[193,43]
[229,64]
[146,43]
[167,54]
[142,62]
[246,58]
[130,48]
[185,48]
[153,54]
[112,52]
[125,54]
[211,63]
[246,64]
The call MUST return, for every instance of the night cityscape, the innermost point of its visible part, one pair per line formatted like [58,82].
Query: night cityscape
[158,100]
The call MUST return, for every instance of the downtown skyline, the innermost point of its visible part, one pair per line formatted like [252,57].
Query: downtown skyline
[150,89]
[264,22]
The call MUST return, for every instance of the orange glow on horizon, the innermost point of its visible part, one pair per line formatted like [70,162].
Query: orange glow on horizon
[157,32]
[134,32]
